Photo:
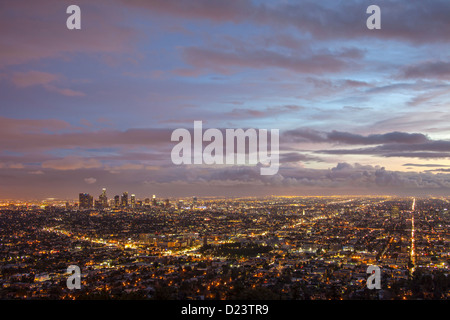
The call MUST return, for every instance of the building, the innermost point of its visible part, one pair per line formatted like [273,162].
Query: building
[194,202]
[116,201]
[103,199]
[133,201]
[86,201]
[124,202]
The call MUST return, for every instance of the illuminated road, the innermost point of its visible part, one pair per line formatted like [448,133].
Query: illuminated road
[413,249]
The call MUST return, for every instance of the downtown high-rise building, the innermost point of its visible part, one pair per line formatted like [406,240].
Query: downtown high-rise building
[116,201]
[103,199]
[133,201]
[124,200]
[85,201]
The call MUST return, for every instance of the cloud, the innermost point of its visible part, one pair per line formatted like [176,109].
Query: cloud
[228,62]
[65,92]
[36,172]
[427,70]
[11,128]
[390,137]
[12,165]
[36,30]
[71,163]
[43,79]
[391,144]
[30,134]
[310,135]
[295,157]
[90,180]
[342,178]
[219,11]
[438,170]
[263,113]
[320,20]
[425,165]
[33,78]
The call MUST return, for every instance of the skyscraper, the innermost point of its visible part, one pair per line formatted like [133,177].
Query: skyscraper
[133,201]
[103,199]
[116,201]
[124,202]
[86,201]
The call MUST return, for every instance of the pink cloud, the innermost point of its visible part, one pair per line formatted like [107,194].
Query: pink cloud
[232,61]
[33,78]
[71,163]
[29,134]
[65,91]
[44,79]
[15,127]
[34,30]
[90,180]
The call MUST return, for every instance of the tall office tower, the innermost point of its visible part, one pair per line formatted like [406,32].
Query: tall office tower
[194,202]
[133,201]
[147,202]
[154,200]
[116,201]
[86,201]
[124,201]
[103,199]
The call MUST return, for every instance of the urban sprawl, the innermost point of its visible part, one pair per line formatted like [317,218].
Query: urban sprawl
[215,248]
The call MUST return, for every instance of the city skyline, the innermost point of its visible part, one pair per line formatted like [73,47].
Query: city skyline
[359,111]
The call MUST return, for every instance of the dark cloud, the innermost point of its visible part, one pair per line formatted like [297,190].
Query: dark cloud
[427,70]
[270,112]
[228,62]
[438,170]
[391,144]
[309,135]
[323,20]
[391,137]
[304,135]
[425,165]
[380,151]
[294,157]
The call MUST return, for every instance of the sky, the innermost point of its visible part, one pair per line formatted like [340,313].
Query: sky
[359,111]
